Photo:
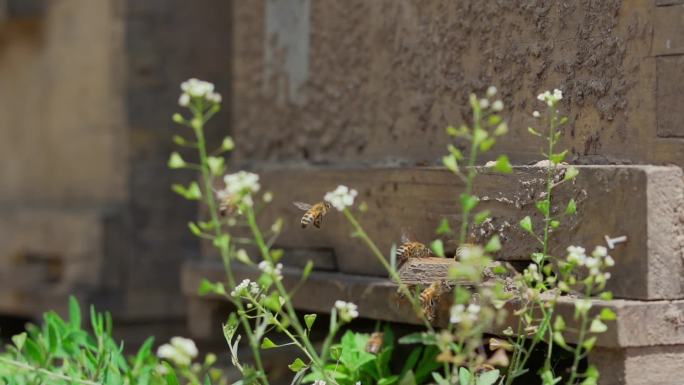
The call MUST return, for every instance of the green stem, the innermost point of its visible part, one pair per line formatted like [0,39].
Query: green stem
[580,340]
[472,172]
[211,203]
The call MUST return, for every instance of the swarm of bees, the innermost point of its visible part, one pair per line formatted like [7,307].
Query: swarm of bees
[429,298]
[411,249]
[314,213]
[375,342]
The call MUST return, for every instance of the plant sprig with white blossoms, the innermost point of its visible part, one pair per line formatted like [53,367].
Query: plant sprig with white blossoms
[180,351]
[195,90]
[341,198]
[346,311]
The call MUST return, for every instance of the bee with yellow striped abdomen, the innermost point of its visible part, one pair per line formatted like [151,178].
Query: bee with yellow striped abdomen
[314,213]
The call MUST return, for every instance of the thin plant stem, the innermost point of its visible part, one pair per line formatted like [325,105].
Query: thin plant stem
[45,372]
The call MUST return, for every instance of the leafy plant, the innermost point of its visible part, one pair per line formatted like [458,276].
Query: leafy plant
[63,352]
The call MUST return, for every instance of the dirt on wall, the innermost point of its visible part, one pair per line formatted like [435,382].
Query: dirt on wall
[384,78]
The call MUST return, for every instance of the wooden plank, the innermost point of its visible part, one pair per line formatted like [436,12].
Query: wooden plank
[668,31]
[639,323]
[640,202]
[670,96]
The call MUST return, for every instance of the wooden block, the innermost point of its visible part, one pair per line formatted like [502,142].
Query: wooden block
[668,32]
[638,324]
[643,203]
[660,365]
[670,96]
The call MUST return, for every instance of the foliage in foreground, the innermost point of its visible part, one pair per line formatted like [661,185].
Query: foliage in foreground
[66,352]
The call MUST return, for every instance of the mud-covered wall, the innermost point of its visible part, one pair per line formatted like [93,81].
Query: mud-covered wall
[384,78]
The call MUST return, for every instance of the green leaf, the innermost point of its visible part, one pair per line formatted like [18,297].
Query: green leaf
[554,224]
[468,202]
[487,378]
[487,144]
[543,206]
[558,158]
[227,144]
[408,379]
[571,208]
[205,287]
[464,376]
[503,165]
[437,247]
[482,216]
[533,131]
[589,343]
[501,129]
[176,161]
[558,339]
[450,162]
[230,327]
[220,242]
[597,326]
[53,338]
[419,338]
[297,365]
[493,120]
[606,296]
[309,320]
[439,379]
[171,378]
[607,315]
[193,191]
[74,313]
[493,245]
[179,140]
[308,268]
[33,351]
[559,324]
[268,344]
[19,340]
[479,135]
[571,173]
[443,227]
[216,165]
[526,224]
[194,229]
[455,152]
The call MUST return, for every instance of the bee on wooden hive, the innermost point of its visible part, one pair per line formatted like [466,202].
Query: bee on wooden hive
[411,249]
[314,213]
[429,297]
[375,342]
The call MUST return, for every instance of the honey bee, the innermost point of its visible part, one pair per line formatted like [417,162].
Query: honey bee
[227,203]
[429,297]
[411,249]
[375,342]
[314,213]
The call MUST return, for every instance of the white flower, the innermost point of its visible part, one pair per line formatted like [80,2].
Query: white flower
[599,252]
[550,98]
[240,288]
[341,198]
[491,91]
[473,308]
[456,313]
[180,351]
[536,114]
[184,100]
[195,88]
[242,182]
[591,263]
[582,306]
[347,311]
[268,268]
[162,370]
[577,255]
[532,273]
[484,103]
[497,106]
[609,261]
[319,382]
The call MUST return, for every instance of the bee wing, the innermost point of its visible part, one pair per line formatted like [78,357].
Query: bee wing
[302,205]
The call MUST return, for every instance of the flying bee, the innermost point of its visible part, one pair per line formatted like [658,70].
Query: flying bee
[314,213]
[411,249]
[429,297]
[375,342]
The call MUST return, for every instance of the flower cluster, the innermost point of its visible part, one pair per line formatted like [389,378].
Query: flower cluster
[596,263]
[550,98]
[347,311]
[239,188]
[341,198]
[180,351]
[274,271]
[497,105]
[245,287]
[532,273]
[460,313]
[199,90]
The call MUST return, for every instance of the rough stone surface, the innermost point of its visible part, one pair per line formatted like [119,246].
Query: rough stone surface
[386,77]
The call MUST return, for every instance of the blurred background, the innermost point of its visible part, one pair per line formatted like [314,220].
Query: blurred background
[87,90]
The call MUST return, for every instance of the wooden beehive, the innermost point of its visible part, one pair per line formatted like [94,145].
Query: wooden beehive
[359,93]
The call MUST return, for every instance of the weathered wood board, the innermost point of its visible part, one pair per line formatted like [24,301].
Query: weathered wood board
[643,203]
[638,324]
